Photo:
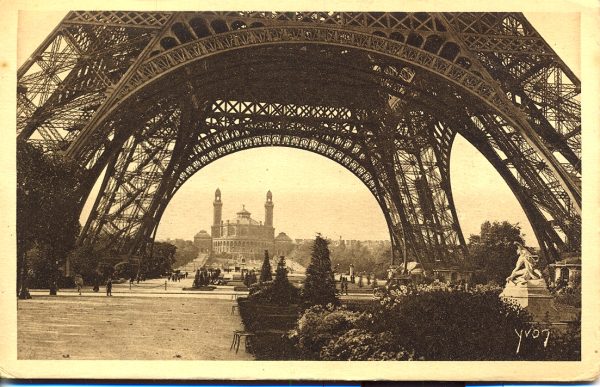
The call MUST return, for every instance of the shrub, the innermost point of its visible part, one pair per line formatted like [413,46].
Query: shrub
[362,344]
[565,346]
[569,296]
[272,293]
[319,325]
[279,291]
[431,322]
[443,323]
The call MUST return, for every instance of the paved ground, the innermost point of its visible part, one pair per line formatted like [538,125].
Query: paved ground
[127,327]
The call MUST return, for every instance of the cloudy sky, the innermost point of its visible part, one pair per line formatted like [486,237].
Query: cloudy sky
[314,194]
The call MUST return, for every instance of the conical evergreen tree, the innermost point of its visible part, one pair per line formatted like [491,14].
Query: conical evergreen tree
[281,272]
[319,286]
[265,271]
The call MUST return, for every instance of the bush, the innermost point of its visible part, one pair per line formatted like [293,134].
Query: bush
[569,296]
[430,322]
[443,323]
[362,344]
[279,291]
[319,325]
[274,293]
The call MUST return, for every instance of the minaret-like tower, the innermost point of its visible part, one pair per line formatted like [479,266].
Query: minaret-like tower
[269,210]
[217,214]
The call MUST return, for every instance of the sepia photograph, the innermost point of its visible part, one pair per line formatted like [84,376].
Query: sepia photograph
[300,187]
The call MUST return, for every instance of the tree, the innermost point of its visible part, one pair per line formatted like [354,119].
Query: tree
[280,291]
[281,272]
[319,286]
[265,271]
[186,251]
[47,209]
[160,261]
[250,278]
[494,250]
[301,254]
[85,260]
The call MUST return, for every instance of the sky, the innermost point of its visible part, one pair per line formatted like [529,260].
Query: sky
[314,194]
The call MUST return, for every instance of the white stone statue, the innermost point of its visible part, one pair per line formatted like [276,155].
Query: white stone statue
[526,267]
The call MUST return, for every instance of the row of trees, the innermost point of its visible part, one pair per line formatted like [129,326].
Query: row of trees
[48,207]
[365,259]
[47,219]
[185,252]
[319,284]
[492,253]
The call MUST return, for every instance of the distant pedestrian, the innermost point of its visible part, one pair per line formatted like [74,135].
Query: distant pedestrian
[78,283]
[109,287]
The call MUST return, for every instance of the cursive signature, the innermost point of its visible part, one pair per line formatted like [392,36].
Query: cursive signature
[534,333]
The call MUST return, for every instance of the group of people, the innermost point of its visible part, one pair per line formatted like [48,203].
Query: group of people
[205,277]
[177,276]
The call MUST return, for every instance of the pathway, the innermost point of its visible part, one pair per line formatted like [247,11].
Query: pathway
[132,328]
[195,264]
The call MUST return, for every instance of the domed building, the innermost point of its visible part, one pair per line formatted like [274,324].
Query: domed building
[244,238]
[283,244]
[203,241]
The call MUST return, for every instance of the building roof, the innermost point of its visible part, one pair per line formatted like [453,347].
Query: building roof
[246,220]
[282,237]
[202,234]
[243,212]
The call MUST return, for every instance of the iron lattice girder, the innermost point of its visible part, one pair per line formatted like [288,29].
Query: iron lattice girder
[61,86]
[484,87]
[72,89]
[224,138]
[491,28]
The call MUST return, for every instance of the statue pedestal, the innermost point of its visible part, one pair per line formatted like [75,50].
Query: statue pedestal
[534,297]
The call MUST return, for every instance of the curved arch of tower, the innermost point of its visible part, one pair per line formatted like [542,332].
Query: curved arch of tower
[153,97]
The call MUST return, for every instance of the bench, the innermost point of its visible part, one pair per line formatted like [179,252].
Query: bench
[237,338]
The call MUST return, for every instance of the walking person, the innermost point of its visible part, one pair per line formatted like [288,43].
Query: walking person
[109,287]
[79,283]
[96,287]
